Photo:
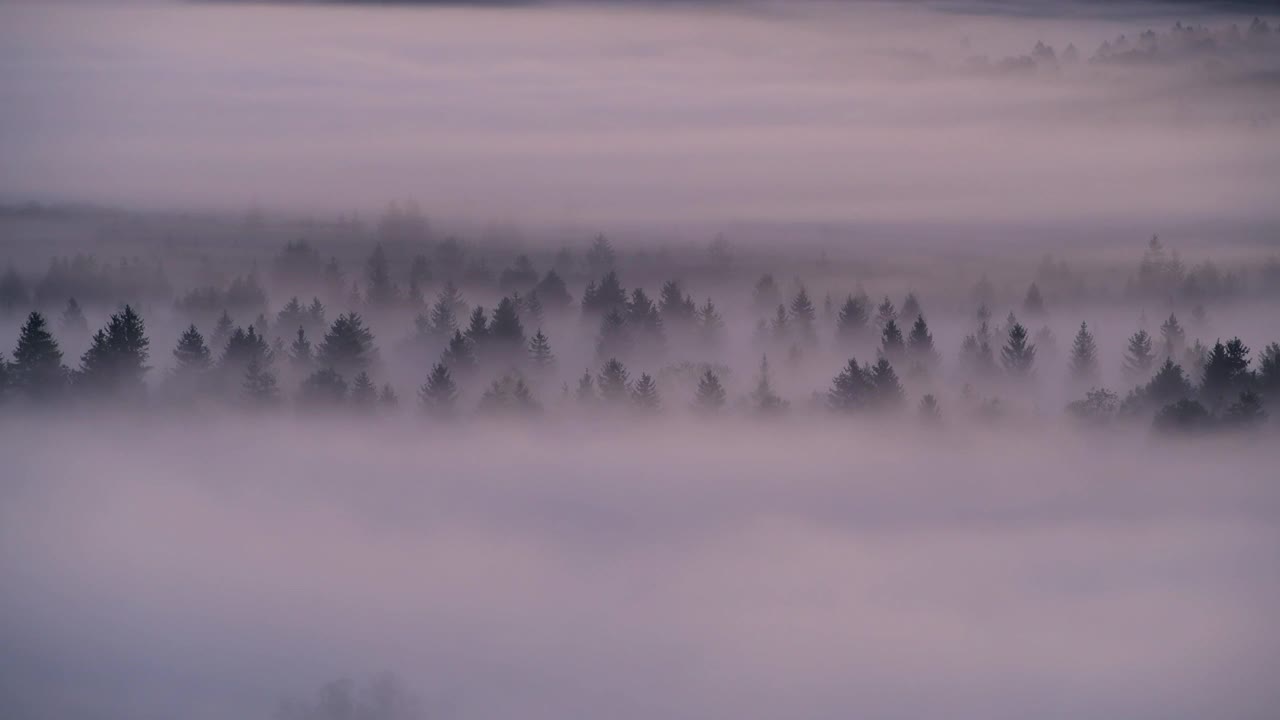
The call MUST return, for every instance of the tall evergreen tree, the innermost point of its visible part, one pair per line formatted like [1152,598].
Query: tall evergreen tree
[243,348]
[804,317]
[929,412]
[710,324]
[192,356]
[259,385]
[347,346]
[553,292]
[885,313]
[886,390]
[1225,372]
[1173,337]
[851,323]
[614,382]
[781,327]
[1169,385]
[676,308]
[765,295]
[910,307]
[920,351]
[1269,374]
[477,331]
[615,336]
[1138,358]
[1083,365]
[440,392]
[301,355]
[222,330]
[644,394]
[1246,412]
[540,353]
[444,313]
[1018,355]
[387,398]
[586,392]
[381,291]
[763,399]
[710,396]
[1033,303]
[73,322]
[37,370]
[323,388]
[460,356]
[850,390]
[509,395]
[364,394]
[892,345]
[506,333]
[116,359]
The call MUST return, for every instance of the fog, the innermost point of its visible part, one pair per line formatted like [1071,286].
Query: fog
[684,571]
[637,113]
[635,360]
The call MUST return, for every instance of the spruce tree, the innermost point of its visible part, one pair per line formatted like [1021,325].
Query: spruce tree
[710,324]
[73,322]
[586,392]
[1138,358]
[920,350]
[765,295]
[300,353]
[323,388]
[615,336]
[910,307]
[892,345]
[347,347]
[804,317]
[509,395]
[781,327]
[553,292]
[710,396]
[851,322]
[221,331]
[37,370]
[477,331]
[1173,337]
[1018,356]
[1033,303]
[645,321]
[364,394]
[885,314]
[505,332]
[116,359]
[850,390]
[1225,372]
[460,355]
[440,392]
[259,386]
[192,356]
[380,289]
[444,313]
[1246,412]
[1269,373]
[387,398]
[1169,385]
[1083,365]
[763,399]
[644,395]
[929,412]
[886,390]
[244,347]
[614,382]
[540,355]
[675,307]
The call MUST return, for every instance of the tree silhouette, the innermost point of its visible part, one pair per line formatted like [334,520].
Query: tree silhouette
[910,307]
[710,324]
[765,295]
[885,313]
[851,389]
[804,317]
[323,388]
[586,392]
[221,331]
[477,332]
[259,386]
[781,327]
[614,382]
[928,410]
[601,256]
[1138,358]
[892,345]
[73,322]
[1225,372]
[851,322]
[920,349]
[615,336]
[886,390]
[444,313]
[37,370]
[509,395]
[1018,356]
[1033,303]
[763,399]
[506,332]
[440,393]
[1183,416]
[460,354]
[116,359]
[1246,412]
[644,394]
[347,347]
[676,308]
[553,292]
[193,358]
[387,398]
[380,290]
[1173,337]
[300,353]
[1083,365]
[1269,372]
[710,396]
[364,394]
[540,355]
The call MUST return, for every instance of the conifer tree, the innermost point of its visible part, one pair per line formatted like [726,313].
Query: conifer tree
[1018,355]
[506,333]
[885,313]
[553,292]
[1138,358]
[460,356]
[615,336]
[315,315]
[765,295]
[243,348]
[37,370]
[1225,372]
[509,395]
[886,390]
[192,356]
[710,324]
[540,355]
[710,396]
[1033,303]
[6,379]
[781,327]
[1269,373]
[763,398]
[347,346]
[323,388]
[850,390]
[300,354]
[1173,337]
[803,317]
[73,322]
[929,412]
[892,345]
[1169,385]
[910,307]
[614,382]
[259,385]
[364,394]
[116,359]
[380,289]
[675,307]
[1083,365]
[1246,412]
[221,331]
[291,315]
[444,313]
[440,392]
[477,331]
[387,398]
[645,321]
[851,322]
[532,314]
[586,392]
[644,395]
[920,350]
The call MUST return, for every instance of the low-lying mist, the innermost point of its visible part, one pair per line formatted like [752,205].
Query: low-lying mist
[668,569]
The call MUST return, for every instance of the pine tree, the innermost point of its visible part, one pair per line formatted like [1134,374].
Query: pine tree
[509,395]
[1246,412]
[300,353]
[292,314]
[850,390]
[644,395]
[540,353]
[1269,372]
[37,370]
[710,324]
[615,336]
[781,327]
[891,343]
[259,386]
[532,313]
[387,398]
[929,412]
[804,316]
[586,392]
[380,289]
[851,323]
[553,292]
[243,348]
[1138,359]
[364,394]
[676,308]
[192,356]
[1169,385]
[347,346]
[920,350]
[763,398]
[73,322]
[601,256]
[1083,365]
[440,392]
[323,388]
[221,331]
[116,359]
[1225,372]
[315,315]
[1033,303]
[710,396]
[1018,356]
[645,321]
[614,382]
[1173,337]
[506,333]
[910,307]
[765,295]
[477,331]
[886,390]
[444,313]
[460,356]
[885,313]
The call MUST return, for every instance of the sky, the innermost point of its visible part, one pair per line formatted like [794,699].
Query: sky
[625,113]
